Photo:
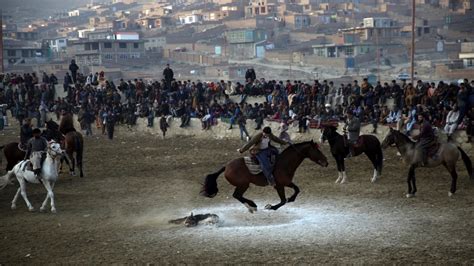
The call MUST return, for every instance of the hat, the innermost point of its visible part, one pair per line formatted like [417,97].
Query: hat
[267,130]
[327,105]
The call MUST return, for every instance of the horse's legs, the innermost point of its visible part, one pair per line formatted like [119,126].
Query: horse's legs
[373,159]
[339,169]
[23,194]
[297,191]
[239,195]
[411,182]
[15,198]
[49,189]
[281,192]
[454,178]
[343,168]
[79,165]
[72,169]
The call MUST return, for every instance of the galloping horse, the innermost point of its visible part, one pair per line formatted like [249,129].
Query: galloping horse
[73,143]
[238,175]
[49,175]
[367,144]
[447,155]
[14,154]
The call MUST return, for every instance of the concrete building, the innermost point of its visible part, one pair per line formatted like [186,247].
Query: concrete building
[375,28]
[467,54]
[259,8]
[17,52]
[190,18]
[246,43]
[99,52]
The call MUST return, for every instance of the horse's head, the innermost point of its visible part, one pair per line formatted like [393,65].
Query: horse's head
[327,132]
[54,149]
[389,139]
[315,154]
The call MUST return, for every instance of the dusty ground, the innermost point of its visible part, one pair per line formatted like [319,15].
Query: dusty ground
[135,184]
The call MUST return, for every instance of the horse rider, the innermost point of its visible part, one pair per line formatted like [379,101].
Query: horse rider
[260,146]
[426,139]
[37,148]
[352,126]
[26,133]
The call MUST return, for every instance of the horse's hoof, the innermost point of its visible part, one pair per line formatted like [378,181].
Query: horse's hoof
[42,209]
[268,207]
[53,210]
[410,195]
[338,180]
[31,209]
[73,173]
[450,194]
[250,208]
[344,181]
[13,207]
[373,180]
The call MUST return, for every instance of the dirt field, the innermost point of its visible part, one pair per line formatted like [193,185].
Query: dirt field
[118,213]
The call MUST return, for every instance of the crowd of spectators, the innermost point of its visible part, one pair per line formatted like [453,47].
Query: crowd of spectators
[102,102]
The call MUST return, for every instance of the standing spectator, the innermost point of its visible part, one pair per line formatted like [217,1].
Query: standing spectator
[73,68]
[110,123]
[250,75]
[168,75]
[452,121]
[67,81]
[163,125]
[242,121]
[469,122]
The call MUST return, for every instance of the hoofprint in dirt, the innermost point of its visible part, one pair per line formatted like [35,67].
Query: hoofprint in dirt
[135,184]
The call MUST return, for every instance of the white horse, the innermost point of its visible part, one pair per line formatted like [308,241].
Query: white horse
[49,175]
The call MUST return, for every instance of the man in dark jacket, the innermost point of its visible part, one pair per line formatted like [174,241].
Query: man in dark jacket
[426,139]
[168,75]
[37,147]
[73,68]
[26,133]
[261,146]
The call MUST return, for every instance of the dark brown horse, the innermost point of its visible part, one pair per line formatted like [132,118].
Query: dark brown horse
[73,143]
[238,175]
[13,154]
[368,144]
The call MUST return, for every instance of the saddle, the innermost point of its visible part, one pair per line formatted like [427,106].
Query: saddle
[253,165]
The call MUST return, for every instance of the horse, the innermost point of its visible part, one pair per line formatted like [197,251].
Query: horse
[73,143]
[367,144]
[49,175]
[14,154]
[446,155]
[238,175]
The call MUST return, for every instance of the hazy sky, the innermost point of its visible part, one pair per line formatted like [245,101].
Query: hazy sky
[40,7]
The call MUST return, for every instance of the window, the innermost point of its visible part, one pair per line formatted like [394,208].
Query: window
[122,45]
[108,57]
[135,45]
[95,46]
[25,53]
[349,51]
[11,53]
[61,41]
[107,45]
[427,30]
[87,46]
[469,62]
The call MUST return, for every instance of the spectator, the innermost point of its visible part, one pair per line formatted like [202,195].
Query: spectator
[73,68]
[452,121]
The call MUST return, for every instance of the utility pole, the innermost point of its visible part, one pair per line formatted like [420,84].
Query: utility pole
[377,52]
[2,69]
[413,42]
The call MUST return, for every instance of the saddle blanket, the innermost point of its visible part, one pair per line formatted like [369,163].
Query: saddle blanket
[254,168]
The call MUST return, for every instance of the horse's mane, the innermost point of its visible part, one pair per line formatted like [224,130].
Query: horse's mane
[407,139]
[66,124]
[297,145]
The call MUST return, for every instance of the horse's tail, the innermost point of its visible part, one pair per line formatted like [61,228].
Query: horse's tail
[78,141]
[467,162]
[5,180]
[209,188]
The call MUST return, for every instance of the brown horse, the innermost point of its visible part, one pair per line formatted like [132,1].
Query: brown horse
[73,143]
[238,175]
